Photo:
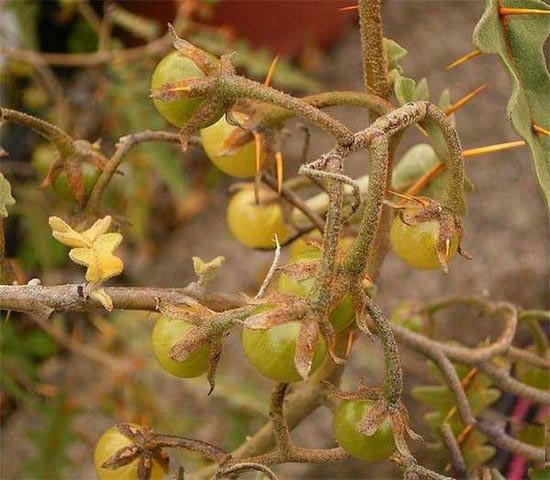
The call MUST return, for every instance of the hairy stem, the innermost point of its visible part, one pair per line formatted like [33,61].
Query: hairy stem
[276,115]
[454,186]
[356,260]
[241,87]
[393,373]
[319,296]
[47,130]
[123,147]
[375,64]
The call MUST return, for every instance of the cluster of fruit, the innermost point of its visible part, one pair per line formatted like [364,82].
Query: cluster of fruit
[270,351]
[255,224]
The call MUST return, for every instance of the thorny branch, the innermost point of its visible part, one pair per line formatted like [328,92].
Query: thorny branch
[379,141]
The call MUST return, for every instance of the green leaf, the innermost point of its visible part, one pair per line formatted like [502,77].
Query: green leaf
[394,53]
[539,473]
[416,161]
[441,398]
[413,164]
[532,434]
[406,89]
[6,199]
[474,450]
[478,455]
[422,91]
[519,42]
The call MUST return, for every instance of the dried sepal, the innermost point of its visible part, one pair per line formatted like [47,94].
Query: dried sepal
[121,457]
[276,309]
[373,418]
[200,58]
[191,311]
[327,332]
[75,177]
[185,88]
[308,338]
[399,422]
[144,469]
[209,329]
[6,198]
[450,226]
[236,139]
[359,301]
[53,171]
[301,269]
[70,158]
[145,448]
[214,356]
[193,339]
[362,392]
[206,114]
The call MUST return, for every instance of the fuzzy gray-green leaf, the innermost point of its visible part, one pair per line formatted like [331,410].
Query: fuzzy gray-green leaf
[519,42]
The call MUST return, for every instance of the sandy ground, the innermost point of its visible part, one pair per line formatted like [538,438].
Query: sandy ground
[506,230]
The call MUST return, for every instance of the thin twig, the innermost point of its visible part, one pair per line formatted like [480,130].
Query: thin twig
[296,201]
[272,270]
[123,147]
[457,459]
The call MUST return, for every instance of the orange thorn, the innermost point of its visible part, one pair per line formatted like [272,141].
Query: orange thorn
[422,130]
[466,381]
[463,59]
[447,250]
[522,11]
[406,196]
[271,70]
[349,8]
[464,100]
[279,163]
[464,434]
[258,151]
[417,186]
[491,148]
[351,339]
[368,281]
[539,129]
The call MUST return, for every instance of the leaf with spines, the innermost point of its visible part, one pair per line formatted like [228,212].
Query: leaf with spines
[519,42]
